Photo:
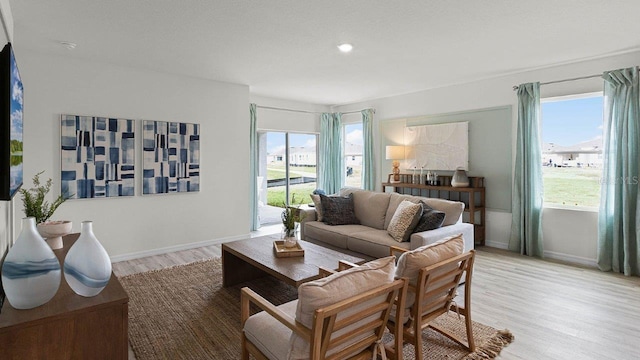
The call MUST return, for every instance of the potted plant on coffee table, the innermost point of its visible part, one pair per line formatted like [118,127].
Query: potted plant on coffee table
[35,205]
[291,217]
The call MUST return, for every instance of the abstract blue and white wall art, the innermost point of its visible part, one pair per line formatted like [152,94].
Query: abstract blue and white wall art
[171,157]
[98,157]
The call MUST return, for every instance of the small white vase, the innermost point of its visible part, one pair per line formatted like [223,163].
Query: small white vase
[31,271]
[460,178]
[87,267]
[289,236]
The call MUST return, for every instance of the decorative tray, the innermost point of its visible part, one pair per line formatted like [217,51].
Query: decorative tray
[282,251]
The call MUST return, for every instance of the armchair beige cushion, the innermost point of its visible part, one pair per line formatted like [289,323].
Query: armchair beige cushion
[333,289]
[410,263]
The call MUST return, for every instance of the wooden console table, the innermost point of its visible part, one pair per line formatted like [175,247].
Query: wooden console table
[473,197]
[69,326]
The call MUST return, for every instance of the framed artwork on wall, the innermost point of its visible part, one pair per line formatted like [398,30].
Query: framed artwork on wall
[170,157]
[11,122]
[97,157]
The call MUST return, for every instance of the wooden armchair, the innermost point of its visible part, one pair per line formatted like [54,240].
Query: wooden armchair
[432,295]
[350,328]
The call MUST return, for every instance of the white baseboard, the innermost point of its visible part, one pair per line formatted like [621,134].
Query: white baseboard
[168,249]
[496,244]
[571,259]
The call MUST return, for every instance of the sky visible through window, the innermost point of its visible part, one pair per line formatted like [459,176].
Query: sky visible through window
[569,122]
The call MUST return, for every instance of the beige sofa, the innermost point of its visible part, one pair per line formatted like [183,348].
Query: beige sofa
[374,210]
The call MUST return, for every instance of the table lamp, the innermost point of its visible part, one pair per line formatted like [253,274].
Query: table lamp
[395,153]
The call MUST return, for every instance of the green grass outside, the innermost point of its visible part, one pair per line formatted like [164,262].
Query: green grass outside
[276,195]
[572,186]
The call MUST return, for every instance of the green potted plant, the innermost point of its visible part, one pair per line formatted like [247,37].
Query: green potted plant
[291,217]
[35,205]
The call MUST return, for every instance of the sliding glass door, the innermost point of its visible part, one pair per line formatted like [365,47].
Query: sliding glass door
[287,172]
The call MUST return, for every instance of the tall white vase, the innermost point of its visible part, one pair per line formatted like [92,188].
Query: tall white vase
[87,267]
[31,271]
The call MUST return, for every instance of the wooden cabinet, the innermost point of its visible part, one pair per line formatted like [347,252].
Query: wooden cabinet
[69,326]
[473,197]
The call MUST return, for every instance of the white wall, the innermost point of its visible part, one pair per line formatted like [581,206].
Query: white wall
[569,235]
[141,225]
[5,206]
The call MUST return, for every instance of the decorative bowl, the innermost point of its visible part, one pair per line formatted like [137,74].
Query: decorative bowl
[53,231]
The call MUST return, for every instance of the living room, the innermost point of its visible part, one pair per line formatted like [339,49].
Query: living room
[105,82]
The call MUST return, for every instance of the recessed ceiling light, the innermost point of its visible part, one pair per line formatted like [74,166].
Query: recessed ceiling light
[68,45]
[345,47]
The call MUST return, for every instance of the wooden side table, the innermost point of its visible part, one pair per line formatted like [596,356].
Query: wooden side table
[69,326]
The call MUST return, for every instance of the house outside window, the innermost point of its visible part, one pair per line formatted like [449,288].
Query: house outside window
[353,145]
[572,150]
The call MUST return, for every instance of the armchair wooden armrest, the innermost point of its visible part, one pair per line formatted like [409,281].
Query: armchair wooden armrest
[249,296]
[344,265]
[396,249]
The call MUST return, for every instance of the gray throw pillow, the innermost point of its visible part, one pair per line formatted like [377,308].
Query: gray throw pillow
[430,219]
[338,210]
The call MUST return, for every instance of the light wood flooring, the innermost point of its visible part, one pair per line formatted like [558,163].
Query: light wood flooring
[555,311]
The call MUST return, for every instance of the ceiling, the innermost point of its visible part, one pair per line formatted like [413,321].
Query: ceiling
[287,49]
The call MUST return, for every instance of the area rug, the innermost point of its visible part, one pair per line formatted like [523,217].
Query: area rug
[183,312]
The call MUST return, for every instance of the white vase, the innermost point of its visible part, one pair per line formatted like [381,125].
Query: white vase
[290,236]
[460,178]
[31,271]
[87,267]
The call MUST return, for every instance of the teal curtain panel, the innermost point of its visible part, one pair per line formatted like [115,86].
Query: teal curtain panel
[368,156]
[618,219]
[253,170]
[332,170]
[526,221]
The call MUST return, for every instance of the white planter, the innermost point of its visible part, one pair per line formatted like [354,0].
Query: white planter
[53,231]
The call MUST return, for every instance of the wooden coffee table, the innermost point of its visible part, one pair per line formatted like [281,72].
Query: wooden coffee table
[250,259]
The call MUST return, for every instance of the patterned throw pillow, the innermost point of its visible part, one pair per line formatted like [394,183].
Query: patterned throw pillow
[404,220]
[318,205]
[430,219]
[338,210]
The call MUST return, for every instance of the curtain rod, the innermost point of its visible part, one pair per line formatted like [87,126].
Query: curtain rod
[565,80]
[305,111]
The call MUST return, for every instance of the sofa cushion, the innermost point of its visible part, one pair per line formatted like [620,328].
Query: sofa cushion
[373,242]
[404,220]
[430,219]
[332,235]
[332,289]
[370,206]
[338,210]
[451,209]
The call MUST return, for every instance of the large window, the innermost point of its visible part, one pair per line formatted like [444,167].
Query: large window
[572,150]
[353,144]
[287,172]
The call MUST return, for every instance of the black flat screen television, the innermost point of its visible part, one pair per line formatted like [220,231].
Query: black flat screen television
[11,103]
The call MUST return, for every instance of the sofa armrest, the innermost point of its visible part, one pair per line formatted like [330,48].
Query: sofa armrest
[431,236]
[307,214]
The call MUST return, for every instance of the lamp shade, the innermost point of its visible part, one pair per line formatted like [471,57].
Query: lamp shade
[394,152]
